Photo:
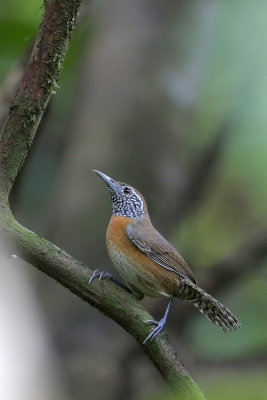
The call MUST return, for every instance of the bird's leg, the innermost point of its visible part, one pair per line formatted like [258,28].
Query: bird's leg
[107,275]
[159,324]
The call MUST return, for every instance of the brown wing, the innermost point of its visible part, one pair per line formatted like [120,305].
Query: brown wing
[147,239]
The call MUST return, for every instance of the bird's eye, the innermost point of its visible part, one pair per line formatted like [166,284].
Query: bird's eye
[126,190]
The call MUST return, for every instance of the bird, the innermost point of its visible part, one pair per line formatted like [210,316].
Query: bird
[148,263]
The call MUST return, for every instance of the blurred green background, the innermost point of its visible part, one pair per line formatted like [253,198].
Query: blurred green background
[170,97]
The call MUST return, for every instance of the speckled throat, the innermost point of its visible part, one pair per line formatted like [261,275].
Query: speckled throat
[131,205]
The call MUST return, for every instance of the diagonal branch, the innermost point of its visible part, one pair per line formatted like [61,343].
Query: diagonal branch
[26,111]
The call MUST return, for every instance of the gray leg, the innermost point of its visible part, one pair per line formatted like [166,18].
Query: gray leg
[159,324]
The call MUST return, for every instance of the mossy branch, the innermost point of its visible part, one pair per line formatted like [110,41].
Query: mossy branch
[36,86]
[26,110]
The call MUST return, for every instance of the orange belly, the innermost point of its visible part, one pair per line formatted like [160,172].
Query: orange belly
[135,267]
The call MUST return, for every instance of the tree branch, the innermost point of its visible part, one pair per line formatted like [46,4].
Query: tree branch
[36,87]
[10,84]
[15,73]
[26,111]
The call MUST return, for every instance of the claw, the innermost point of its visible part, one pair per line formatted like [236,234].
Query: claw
[107,275]
[100,275]
[159,326]
[151,321]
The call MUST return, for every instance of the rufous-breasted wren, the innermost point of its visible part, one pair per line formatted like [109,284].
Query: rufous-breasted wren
[148,263]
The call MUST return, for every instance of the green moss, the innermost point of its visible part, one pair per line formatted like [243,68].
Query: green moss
[30,116]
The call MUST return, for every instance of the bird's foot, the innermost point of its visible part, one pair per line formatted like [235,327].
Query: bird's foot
[159,325]
[107,275]
[100,275]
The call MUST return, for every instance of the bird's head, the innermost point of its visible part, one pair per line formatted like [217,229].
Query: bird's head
[126,200]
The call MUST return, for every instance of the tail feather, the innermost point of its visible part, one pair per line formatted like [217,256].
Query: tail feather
[210,307]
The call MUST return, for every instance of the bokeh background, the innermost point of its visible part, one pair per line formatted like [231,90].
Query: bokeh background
[171,97]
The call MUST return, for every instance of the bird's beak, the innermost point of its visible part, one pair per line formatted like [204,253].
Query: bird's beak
[109,181]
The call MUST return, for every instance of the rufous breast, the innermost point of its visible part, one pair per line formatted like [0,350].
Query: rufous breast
[135,267]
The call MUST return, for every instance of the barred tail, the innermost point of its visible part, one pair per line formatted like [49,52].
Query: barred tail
[210,307]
